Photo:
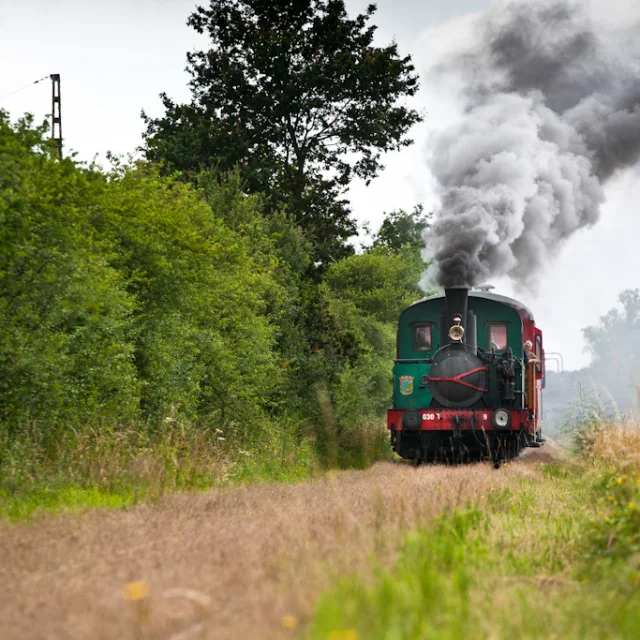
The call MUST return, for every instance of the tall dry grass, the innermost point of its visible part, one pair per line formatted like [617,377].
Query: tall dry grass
[121,465]
[554,555]
[617,444]
[261,554]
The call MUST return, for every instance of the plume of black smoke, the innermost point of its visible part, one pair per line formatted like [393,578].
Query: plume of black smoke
[552,112]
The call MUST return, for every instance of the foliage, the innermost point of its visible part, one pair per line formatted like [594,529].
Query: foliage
[361,297]
[123,295]
[482,571]
[297,97]
[614,344]
[65,312]
[196,285]
[378,283]
[131,302]
[400,228]
[277,244]
[617,333]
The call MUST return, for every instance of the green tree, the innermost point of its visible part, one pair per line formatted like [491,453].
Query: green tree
[378,283]
[124,294]
[362,297]
[66,351]
[204,341]
[401,228]
[280,247]
[295,94]
[617,336]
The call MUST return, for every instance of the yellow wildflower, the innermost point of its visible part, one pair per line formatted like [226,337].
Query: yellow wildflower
[631,506]
[138,593]
[138,590]
[349,634]
[289,622]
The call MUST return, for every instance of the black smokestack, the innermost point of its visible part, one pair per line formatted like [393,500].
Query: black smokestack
[552,111]
[456,305]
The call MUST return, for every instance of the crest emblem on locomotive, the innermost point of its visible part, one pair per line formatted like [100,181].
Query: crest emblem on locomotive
[406,385]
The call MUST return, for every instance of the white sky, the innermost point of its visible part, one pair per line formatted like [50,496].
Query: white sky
[116,56]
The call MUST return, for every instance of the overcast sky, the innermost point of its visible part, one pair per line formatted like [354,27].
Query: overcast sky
[116,56]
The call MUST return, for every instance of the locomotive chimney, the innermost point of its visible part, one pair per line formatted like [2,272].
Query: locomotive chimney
[456,304]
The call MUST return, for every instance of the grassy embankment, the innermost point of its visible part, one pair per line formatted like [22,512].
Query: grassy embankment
[119,468]
[555,556]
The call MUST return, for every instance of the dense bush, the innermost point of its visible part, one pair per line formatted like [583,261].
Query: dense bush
[66,314]
[124,294]
[132,301]
[203,342]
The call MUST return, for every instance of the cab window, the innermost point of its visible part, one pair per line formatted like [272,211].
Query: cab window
[538,352]
[422,334]
[498,336]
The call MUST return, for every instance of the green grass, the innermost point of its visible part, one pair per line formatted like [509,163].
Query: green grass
[541,560]
[24,505]
[51,493]
[118,466]
[118,469]
[55,494]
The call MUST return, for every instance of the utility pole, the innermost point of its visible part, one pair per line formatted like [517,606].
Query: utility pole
[56,112]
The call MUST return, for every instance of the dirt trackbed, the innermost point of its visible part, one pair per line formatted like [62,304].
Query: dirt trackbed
[226,563]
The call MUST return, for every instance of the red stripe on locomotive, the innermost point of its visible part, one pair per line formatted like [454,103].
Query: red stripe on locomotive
[445,420]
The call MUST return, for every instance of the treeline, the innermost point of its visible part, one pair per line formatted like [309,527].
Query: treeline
[608,387]
[209,296]
[127,297]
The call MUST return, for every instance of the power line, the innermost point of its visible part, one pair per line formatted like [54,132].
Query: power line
[26,86]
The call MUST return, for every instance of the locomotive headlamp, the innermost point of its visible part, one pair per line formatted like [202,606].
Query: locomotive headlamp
[456,333]
[501,419]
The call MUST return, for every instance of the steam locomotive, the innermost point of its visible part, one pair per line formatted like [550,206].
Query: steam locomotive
[463,388]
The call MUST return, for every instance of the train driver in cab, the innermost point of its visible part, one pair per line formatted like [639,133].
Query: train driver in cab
[529,356]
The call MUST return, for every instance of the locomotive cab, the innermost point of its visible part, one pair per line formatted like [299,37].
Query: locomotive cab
[461,386]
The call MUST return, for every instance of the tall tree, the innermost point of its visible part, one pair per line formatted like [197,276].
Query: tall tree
[616,339]
[400,228]
[296,95]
